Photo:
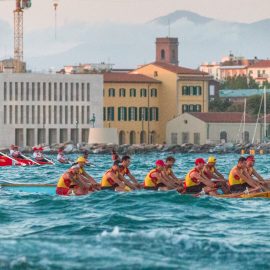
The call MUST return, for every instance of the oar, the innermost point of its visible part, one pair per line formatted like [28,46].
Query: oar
[16,161]
[30,159]
[49,160]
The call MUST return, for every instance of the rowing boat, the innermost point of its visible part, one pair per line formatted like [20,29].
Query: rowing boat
[5,161]
[265,194]
[30,188]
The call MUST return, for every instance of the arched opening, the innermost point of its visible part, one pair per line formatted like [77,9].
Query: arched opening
[122,137]
[223,136]
[132,137]
[246,137]
[143,137]
[153,137]
[162,54]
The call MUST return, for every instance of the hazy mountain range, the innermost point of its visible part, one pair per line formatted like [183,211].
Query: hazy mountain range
[128,45]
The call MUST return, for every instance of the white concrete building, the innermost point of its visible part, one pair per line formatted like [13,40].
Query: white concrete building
[49,108]
[214,127]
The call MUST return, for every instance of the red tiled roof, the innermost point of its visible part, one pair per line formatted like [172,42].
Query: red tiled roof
[178,69]
[261,64]
[123,77]
[223,117]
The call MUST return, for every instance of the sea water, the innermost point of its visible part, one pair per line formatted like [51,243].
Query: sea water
[136,230]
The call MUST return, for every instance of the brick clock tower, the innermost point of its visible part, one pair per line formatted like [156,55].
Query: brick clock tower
[167,50]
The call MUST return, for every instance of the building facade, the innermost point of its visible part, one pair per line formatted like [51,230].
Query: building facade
[40,108]
[214,127]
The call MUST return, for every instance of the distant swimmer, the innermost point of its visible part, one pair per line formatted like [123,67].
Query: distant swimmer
[124,171]
[112,179]
[154,179]
[210,171]
[239,181]
[196,182]
[70,183]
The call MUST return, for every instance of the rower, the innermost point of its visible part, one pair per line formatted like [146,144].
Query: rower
[61,157]
[16,153]
[168,172]
[124,170]
[251,172]
[196,182]
[210,171]
[239,181]
[86,155]
[70,183]
[81,162]
[115,156]
[38,154]
[11,149]
[112,179]
[154,179]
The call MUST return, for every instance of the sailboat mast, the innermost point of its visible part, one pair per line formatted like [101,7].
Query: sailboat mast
[245,106]
[265,131]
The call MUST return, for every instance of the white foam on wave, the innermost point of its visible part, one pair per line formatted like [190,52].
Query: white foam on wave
[115,232]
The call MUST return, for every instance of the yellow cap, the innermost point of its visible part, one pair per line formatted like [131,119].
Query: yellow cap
[212,159]
[81,159]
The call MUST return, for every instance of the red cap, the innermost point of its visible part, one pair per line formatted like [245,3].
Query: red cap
[251,158]
[40,149]
[60,150]
[199,161]
[160,163]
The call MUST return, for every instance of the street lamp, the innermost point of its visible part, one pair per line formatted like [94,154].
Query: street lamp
[93,120]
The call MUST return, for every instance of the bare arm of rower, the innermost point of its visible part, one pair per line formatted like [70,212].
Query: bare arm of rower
[128,183]
[169,179]
[248,179]
[133,179]
[204,180]
[219,175]
[116,180]
[163,180]
[260,179]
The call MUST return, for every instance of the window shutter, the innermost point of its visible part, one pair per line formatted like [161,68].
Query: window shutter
[140,114]
[104,114]
[200,91]
[146,114]
[157,117]
[125,113]
[135,113]
[119,113]
[129,114]
[151,114]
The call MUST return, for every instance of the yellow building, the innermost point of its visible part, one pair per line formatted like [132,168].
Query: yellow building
[131,104]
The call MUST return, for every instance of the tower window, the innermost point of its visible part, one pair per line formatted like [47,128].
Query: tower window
[162,54]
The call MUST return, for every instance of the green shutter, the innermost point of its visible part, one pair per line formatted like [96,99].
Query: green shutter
[125,113]
[129,114]
[151,114]
[146,114]
[119,111]
[112,108]
[104,114]
[140,114]
[136,114]
[157,114]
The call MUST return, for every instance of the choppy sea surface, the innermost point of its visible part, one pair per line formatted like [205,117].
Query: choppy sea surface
[136,230]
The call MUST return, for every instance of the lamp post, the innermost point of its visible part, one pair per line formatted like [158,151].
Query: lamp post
[93,120]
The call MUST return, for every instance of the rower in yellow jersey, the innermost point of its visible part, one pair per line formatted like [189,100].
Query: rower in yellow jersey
[154,179]
[239,181]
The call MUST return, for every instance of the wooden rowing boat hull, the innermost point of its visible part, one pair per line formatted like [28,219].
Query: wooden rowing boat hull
[246,196]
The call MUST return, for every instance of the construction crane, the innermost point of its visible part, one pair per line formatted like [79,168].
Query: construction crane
[18,32]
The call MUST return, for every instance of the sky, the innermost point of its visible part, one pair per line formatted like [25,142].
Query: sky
[41,14]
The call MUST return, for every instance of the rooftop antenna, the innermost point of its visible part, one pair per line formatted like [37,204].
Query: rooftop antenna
[55,5]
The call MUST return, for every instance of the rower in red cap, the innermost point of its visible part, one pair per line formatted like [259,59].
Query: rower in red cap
[154,179]
[196,182]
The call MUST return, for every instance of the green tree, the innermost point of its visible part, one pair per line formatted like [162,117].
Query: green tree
[253,104]
[239,82]
[219,105]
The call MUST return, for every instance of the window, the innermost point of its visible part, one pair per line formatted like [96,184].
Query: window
[198,108]
[153,92]
[162,54]
[143,114]
[132,92]
[110,114]
[44,115]
[88,114]
[33,114]
[38,91]
[104,113]
[185,137]
[22,91]
[196,90]
[77,114]
[122,114]
[173,138]
[111,92]
[55,114]
[5,91]
[27,114]
[88,91]
[16,91]
[33,91]
[82,86]
[143,92]
[60,114]
[197,138]
[71,114]
[50,114]
[185,90]
[185,108]
[122,92]
[44,91]
[82,115]
[132,114]
[77,91]
[71,91]
[38,114]
[154,114]
[50,91]
[10,91]
[5,114]
[60,91]
[21,113]
[55,91]
[66,114]
[66,91]
[10,114]
[27,91]
[223,136]
[16,114]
